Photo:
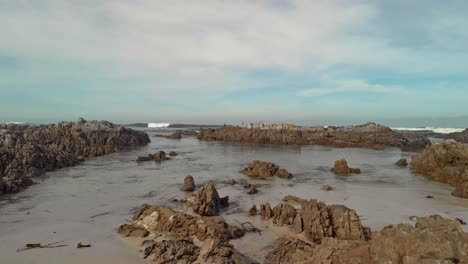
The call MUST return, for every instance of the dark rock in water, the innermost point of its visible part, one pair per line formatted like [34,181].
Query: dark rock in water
[132,231]
[175,135]
[430,197]
[246,184]
[445,162]
[341,168]
[150,157]
[253,210]
[207,202]
[29,151]
[160,156]
[402,163]
[189,183]
[460,221]
[252,190]
[368,135]
[173,154]
[224,202]
[263,170]
[327,188]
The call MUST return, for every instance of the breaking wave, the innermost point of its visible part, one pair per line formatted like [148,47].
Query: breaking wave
[158,125]
[442,130]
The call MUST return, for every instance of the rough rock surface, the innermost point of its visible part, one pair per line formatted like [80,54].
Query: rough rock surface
[175,135]
[132,231]
[29,151]
[317,220]
[445,162]
[189,183]
[432,240]
[207,201]
[178,231]
[158,156]
[341,168]
[402,163]
[368,135]
[264,170]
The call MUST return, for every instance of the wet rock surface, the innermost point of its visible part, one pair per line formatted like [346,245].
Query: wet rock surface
[402,163]
[368,135]
[445,162]
[158,156]
[341,168]
[173,237]
[29,151]
[264,170]
[189,184]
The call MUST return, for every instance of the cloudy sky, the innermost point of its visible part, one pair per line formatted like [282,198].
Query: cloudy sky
[215,61]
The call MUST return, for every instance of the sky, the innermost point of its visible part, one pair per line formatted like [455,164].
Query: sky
[220,61]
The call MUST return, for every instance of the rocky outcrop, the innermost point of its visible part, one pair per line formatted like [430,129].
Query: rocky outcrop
[461,137]
[29,151]
[341,168]
[402,163]
[207,201]
[189,184]
[317,220]
[445,162]
[175,233]
[369,135]
[264,170]
[432,240]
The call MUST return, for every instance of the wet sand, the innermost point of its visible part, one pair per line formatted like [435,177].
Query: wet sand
[86,203]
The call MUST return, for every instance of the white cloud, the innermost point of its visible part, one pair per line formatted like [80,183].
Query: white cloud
[355,85]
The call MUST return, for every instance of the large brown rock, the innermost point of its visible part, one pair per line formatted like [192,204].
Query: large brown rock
[445,162]
[207,201]
[433,240]
[29,151]
[264,170]
[341,168]
[368,135]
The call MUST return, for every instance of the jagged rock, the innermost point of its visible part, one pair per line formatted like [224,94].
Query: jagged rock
[294,199]
[252,190]
[175,135]
[29,151]
[368,135]
[402,163]
[262,170]
[327,188]
[189,183]
[132,231]
[253,210]
[181,251]
[433,240]
[445,162]
[173,154]
[317,220]
[341,168]
[229,181]
[207,200]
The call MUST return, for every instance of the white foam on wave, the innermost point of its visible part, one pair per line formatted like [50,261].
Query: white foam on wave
[442,130]
[158,125]
[16,123]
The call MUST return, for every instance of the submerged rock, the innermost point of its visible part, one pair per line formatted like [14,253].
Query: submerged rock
[263,170]
[327,188]
[341,168]
[189,183]
[402,163]
[29,151]
[207,200]
[252,190]
[445,162]
[173,154]
[253,210]
[160,156]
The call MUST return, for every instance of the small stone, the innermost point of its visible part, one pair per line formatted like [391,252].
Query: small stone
[229,181]
[253,210]
[402,163]
[173,154]
[252,190]
[327,188]
[429,197]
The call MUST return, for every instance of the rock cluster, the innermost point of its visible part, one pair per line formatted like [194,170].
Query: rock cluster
[264,170]
[175,233]
[445,162]
[317,220]
[341,168]
[432,240]
[29,151]
[368,135]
